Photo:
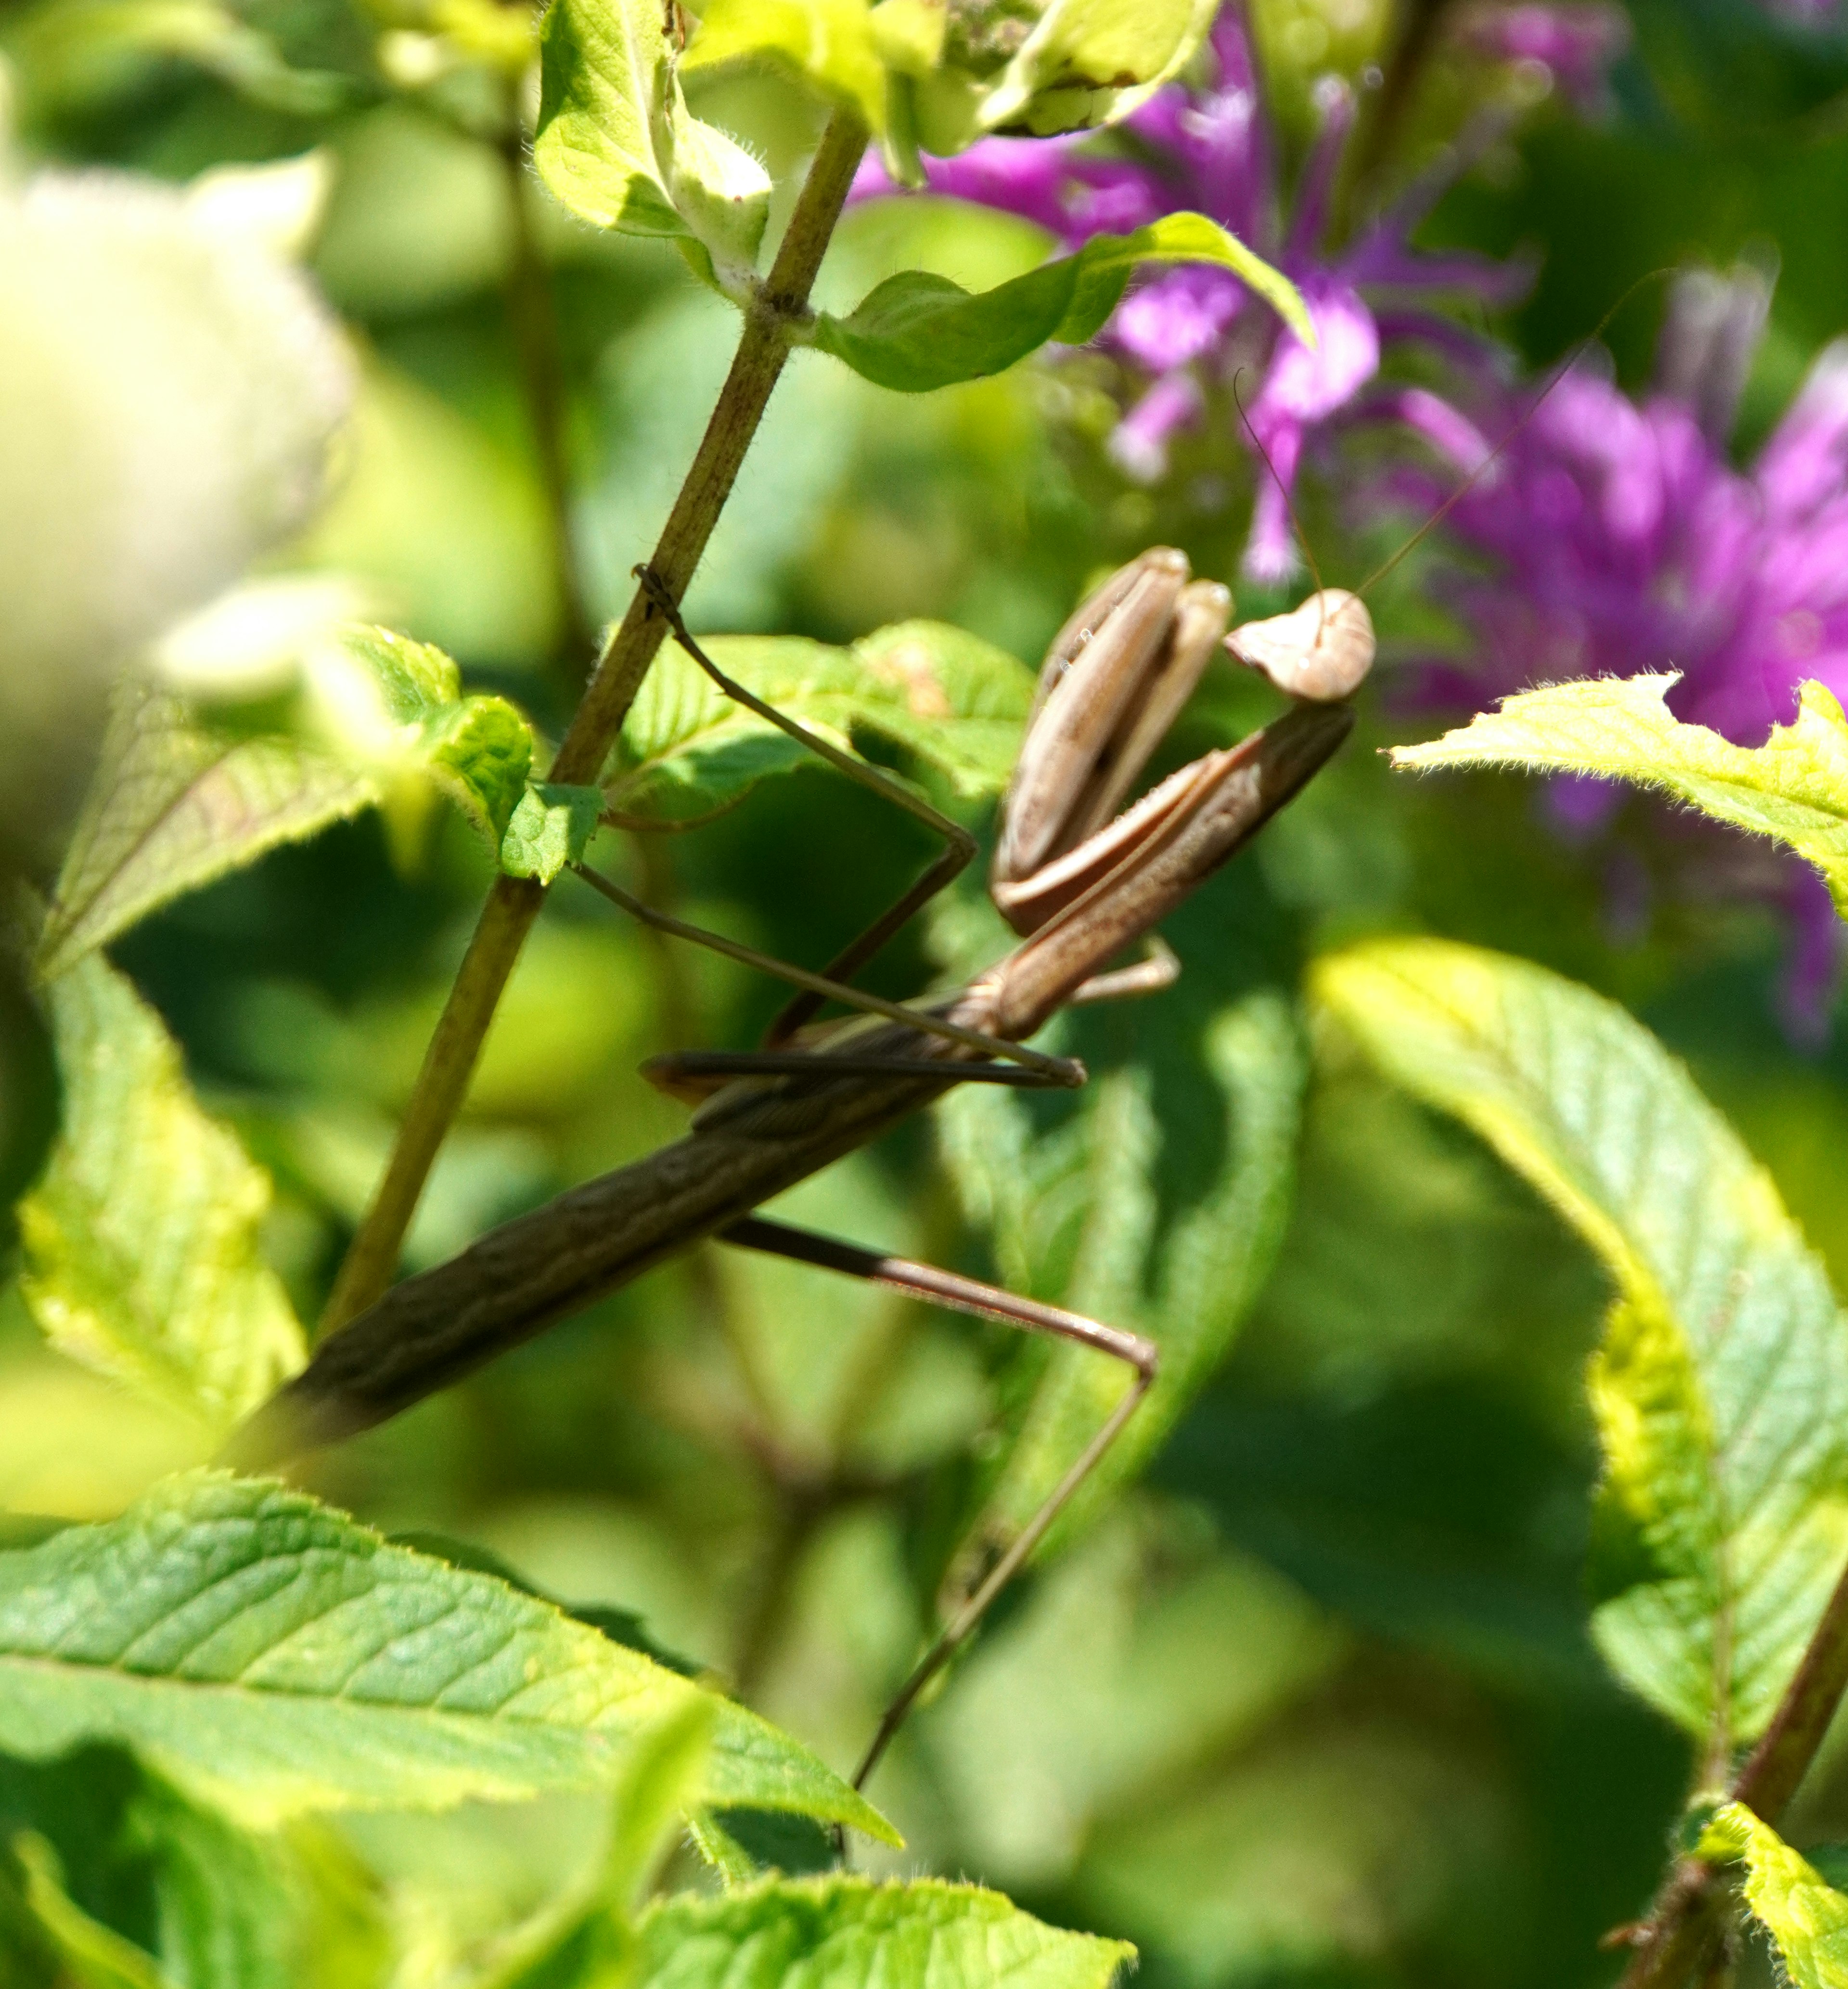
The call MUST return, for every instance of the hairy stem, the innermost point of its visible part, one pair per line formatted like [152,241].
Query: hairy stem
[1769,1779]
[1416,35]
[514,902]
[532,320]
[1683,1935]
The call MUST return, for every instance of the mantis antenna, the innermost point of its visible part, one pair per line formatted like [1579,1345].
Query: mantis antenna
[1482,469]
[1322,658]
[1302,538]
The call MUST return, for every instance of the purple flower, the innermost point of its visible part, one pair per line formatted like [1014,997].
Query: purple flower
[1576,45]
[1189,330]
[1624,540]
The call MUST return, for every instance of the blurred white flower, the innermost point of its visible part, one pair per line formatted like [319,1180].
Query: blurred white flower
[170,387]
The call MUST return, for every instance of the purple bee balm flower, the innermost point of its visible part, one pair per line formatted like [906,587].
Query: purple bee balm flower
[1624,540]
[1574,45]
[1185,331]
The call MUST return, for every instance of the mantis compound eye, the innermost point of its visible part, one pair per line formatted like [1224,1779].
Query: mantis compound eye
[1319,652]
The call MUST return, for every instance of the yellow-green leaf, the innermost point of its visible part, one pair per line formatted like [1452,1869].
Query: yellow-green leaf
[1721,1390]
[1793,788]
[917,330]
[551,826]
[829,43]
[266,1651]
[1093,61]
[844,1933]
[186,794]
[141,1235]
[92,1956]
[1806,1918]
[616,144]
[687,751]
[177,803]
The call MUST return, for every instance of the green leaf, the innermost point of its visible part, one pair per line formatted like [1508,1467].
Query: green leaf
[830,43]
[917,330]
[177,803]
[212,1906]
[1085,62]
[551,827]
[1806,1920]
[1793,788]
[1074,1220]
[93,1955]
[141,1235]
[663,1783]
[270,1654]
[1721,1389]
[586,1938]
[397,706]
[616,144]
[845,1933]
[184,795]
[1092,62]
[71,50]
[723,1852]
[687,751]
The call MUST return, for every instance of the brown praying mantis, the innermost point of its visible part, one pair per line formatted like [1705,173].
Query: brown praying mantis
[1081,883]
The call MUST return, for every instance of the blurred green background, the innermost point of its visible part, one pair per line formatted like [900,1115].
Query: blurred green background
[1316,1705]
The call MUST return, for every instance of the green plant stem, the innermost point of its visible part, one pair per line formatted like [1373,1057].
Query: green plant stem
[532,320]
[514,902]
[1683,1935]
[1416,35]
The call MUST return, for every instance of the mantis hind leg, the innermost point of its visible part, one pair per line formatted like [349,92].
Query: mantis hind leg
[970,1294]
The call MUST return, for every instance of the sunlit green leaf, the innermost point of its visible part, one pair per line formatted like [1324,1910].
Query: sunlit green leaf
[266,1651]
[91,1955]
[830,43]
[845,1933]
[687,751]
[183,796]
[140,1236]
[603,67]
[1091,62]
[551,827]
[1721,1389]
[1793,788]
[617,145]
[174,805]
[1806,1920]
[397,706]
[908,36]
[918,331]
[213,1906]
[723,1852]
[1074,1218]
[586,1938]
[68,50]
